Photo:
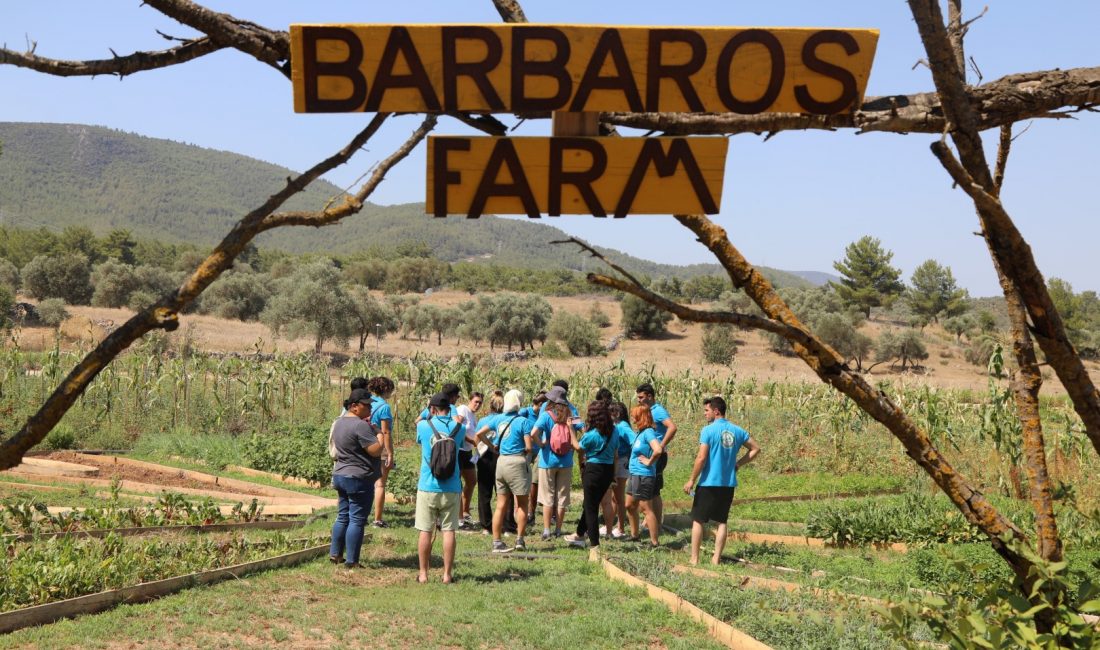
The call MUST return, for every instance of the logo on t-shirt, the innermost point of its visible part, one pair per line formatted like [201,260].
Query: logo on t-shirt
[728,439]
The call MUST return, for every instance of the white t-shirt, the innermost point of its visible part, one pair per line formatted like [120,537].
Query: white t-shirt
[470,420]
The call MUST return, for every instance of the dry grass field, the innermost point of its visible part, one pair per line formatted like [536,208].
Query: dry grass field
[677,351]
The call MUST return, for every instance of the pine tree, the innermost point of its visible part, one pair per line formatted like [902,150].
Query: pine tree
[935,293]
[869,280]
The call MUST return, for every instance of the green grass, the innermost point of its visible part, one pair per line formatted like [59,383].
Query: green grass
[559,601]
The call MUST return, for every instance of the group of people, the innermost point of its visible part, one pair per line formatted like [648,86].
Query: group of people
[525,455]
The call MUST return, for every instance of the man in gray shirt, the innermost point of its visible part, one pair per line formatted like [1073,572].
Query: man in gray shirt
[355,467]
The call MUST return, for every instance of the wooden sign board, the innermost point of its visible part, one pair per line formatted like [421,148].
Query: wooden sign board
[574,175]
[532,68]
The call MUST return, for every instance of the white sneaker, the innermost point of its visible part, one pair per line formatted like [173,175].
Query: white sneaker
[575,541]
[603,531]
[617,534]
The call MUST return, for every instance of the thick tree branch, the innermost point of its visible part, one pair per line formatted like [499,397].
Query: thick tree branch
[1026,386]
[510,11]
[1010,99]
[1013,255]
[118,65]
[164,314]
[831,369]
[1007,246]
[266,45]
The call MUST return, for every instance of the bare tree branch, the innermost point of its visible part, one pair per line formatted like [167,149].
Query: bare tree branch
[510,11]
[830,368]
[266,45]
[354,203]
[1026,386]
[1010,99]
[955,34]
[117,65]
[1007,246]
[165,313]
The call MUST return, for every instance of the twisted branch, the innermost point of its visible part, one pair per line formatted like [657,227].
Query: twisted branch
[117,65]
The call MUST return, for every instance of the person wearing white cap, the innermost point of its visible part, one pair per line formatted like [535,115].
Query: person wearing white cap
[512,440]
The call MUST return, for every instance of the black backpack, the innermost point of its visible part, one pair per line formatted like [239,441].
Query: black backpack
[444,454]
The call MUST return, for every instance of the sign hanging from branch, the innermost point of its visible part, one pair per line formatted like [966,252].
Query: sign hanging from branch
[574,175]
[535,68]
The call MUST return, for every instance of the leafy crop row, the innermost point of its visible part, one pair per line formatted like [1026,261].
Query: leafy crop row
[66,567]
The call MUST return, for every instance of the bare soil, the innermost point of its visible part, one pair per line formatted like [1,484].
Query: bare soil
[110,470]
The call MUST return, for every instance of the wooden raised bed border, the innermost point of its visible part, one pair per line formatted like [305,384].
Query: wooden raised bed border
[93,603]
[720,631]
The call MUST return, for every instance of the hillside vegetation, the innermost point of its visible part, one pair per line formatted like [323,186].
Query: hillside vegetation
[58,175]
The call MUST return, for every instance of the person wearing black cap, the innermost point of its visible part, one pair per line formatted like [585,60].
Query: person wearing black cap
[354,470]
[438,499]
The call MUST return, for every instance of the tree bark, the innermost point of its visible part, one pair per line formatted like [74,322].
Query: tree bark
[1007,246]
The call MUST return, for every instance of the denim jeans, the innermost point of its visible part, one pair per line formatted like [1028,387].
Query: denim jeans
[355,499]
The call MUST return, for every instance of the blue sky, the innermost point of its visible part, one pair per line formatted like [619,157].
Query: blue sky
[793,202]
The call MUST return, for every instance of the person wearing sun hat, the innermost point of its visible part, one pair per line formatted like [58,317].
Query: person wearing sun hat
[355,451]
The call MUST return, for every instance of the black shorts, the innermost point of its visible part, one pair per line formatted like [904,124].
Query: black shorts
[641,487]
[712,504]
[466,460]
[662,461]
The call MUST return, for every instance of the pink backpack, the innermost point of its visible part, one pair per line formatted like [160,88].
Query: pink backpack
[561,438]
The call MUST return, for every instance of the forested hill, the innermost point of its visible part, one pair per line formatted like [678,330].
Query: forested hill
[55,175]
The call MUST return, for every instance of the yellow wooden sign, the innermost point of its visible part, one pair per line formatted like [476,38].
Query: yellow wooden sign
[574,175]
[529,68]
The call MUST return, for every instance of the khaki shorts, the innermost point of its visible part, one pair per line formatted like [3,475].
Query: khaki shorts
[513,475]
[437,507]
[554,486]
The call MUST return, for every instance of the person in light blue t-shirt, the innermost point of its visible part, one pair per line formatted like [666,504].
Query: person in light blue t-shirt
[621,415]
[437,499]
[381,416]
[555,469]
[640,490]
[714,474]
[666,431]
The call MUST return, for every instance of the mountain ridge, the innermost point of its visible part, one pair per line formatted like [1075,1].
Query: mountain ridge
[56,175]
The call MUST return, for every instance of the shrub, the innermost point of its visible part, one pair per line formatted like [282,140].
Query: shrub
[979,351]
[579,336]
[59,276]
[241,295]
[719,344]
[300,451]
[907,347]
[52,312]
[597,317]
[60,438]
[551,350]
[643,319]
[7,306]
[9,275]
